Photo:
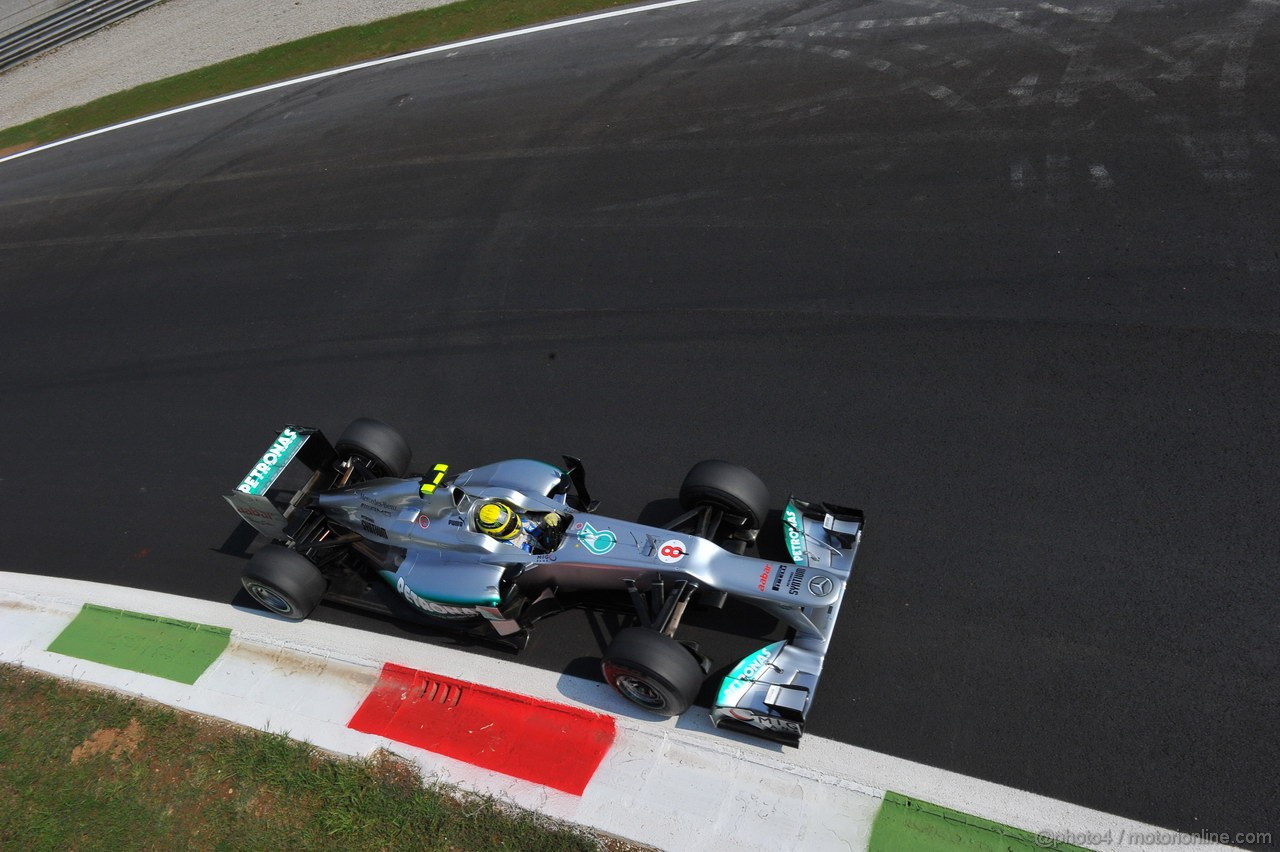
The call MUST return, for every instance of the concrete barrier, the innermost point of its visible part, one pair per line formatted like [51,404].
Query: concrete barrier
[16,14]
[30,27]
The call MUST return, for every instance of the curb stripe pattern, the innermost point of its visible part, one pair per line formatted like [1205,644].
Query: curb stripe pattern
[609,772]
[555,745]
[550,744]
[906,823]
[164,647]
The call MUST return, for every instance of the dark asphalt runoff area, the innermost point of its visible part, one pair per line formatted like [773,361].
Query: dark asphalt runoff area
[1006,277]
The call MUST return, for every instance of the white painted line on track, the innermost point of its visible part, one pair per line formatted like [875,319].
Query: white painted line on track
[372,63]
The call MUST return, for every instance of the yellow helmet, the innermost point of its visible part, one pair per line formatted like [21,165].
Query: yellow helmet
[498,520]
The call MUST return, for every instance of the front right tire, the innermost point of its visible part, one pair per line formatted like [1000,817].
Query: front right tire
[729,487]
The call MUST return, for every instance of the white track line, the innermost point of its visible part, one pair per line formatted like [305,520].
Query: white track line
[372,63]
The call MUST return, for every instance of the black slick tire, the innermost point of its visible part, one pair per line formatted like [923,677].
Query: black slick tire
[378,443]
[652,671]
[729,487]
[284,581]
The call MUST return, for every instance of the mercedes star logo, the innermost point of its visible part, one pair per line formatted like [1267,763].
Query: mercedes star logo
[820,586]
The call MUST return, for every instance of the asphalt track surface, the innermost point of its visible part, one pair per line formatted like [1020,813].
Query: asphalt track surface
[1005,277]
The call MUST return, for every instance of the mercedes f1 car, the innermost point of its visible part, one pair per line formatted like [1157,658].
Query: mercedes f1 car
[354,527]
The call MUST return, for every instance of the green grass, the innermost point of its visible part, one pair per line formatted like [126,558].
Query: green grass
[87,769]
[333,49]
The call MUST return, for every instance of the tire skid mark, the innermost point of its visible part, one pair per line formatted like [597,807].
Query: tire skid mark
[1269,143]
[1183,68]
[937,18]
[526,222]
[1085,14]
[1220,154]
[1020,174]
[1101,177]
[1077,77]
[1055,181]
[932,58]
[1235,65]
[1083,71]
[909,81]
[1159,53]
[1236,140]
[1025,89]
[1223,154]
[1001,19]
[837,28]
[1236,33]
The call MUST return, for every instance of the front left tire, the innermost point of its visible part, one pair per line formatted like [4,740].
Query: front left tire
[652,671]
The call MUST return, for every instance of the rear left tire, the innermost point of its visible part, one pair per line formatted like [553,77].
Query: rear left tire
[284,581]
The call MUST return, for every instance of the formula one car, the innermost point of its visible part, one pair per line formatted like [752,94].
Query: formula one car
[494,549]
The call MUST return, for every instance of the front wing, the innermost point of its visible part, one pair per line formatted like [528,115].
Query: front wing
[770,692]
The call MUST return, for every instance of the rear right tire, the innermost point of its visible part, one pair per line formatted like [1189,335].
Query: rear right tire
[380,444]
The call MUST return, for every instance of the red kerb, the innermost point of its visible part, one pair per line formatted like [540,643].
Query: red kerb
[550,744]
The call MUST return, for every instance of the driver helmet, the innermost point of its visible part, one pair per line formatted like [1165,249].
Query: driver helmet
[498,520]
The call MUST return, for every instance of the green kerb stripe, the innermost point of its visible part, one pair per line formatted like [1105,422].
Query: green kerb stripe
[910,825]
[164,647]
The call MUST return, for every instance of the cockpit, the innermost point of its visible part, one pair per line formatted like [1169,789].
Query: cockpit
[533,531]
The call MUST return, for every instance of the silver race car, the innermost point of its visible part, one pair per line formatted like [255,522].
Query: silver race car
[493,549]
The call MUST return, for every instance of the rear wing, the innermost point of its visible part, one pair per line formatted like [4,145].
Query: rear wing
[769,693]
[257,499]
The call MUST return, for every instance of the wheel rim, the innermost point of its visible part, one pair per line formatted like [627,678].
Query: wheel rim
[269,598]
[637,691]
